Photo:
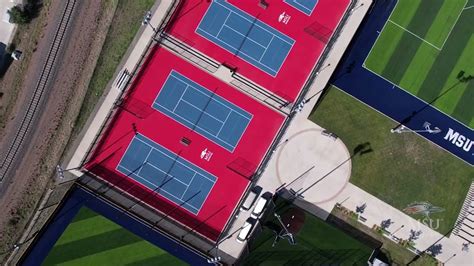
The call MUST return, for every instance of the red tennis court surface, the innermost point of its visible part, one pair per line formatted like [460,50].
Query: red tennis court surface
[311,33]
[229,168]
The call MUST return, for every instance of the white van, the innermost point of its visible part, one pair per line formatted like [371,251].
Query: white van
[251,198]
[261,205]
[246,230]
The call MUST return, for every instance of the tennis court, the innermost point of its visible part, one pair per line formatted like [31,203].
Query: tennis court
[305,6]
[202,110]
[166,173]
[165,144]
[275,47]
[245,36]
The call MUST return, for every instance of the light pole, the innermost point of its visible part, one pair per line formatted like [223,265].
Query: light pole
[294,180]
[426,126]
[287,233]
[454,255]
[60,171]
[279,144]
[146,20]
[318,92]
[393,233]
[300,105]
[322,69]
[357,7]
[216,259]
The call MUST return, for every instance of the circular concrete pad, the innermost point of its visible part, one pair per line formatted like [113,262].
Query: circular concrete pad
[309,156]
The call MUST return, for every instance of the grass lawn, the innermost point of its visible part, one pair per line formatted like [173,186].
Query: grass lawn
[318,243]
[124,27]
[423,47]
[403,168]
[395,253]
[91,239]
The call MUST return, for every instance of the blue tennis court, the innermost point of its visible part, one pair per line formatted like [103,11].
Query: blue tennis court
[165,172]
[245,36]
[200,109]
[305,6]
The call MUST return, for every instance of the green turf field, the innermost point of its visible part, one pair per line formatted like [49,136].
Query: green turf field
[423,47]
[91,239]
[403,168]
[318,243]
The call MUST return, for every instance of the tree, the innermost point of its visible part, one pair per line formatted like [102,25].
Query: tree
[18,16]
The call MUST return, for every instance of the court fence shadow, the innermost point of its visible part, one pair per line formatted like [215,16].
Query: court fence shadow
[354,232]
[127,188]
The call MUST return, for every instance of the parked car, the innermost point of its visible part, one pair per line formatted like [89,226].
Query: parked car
[261,205]
[246,230]
[251,198]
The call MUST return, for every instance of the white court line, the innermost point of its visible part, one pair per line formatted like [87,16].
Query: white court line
[388,20]
[126,150]
[200,172]
[224,102]
[266,49]
[138,173]
[247,55]
[180,98]
[270,42]
[166,174]
[227,104]
[196,125]
[455,22]
[192,178]
[413,95]
[418,37]
[144,162]
[468,7]
[154,186]
[395,121]
[398,86]
[300,5]
[203,111]
[245,37]
[222,126]
[273,72]
[223,24]
[249,20]
[154,143]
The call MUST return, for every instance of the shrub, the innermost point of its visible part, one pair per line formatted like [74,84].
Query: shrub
[18,15]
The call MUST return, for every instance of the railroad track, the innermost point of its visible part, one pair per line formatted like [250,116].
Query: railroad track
[26,122]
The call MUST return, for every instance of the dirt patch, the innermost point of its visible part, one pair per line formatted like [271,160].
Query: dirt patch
[26,39]
[74,70]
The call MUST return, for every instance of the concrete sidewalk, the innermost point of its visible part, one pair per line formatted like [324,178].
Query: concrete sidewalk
[7,29]
[304,146]
[306,149]
[307,146]
[377,211]
[114,92]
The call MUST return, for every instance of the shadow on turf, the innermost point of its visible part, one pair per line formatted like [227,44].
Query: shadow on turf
[162,259]
[304,253]
[354,232]
[308,257]
[90,246]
